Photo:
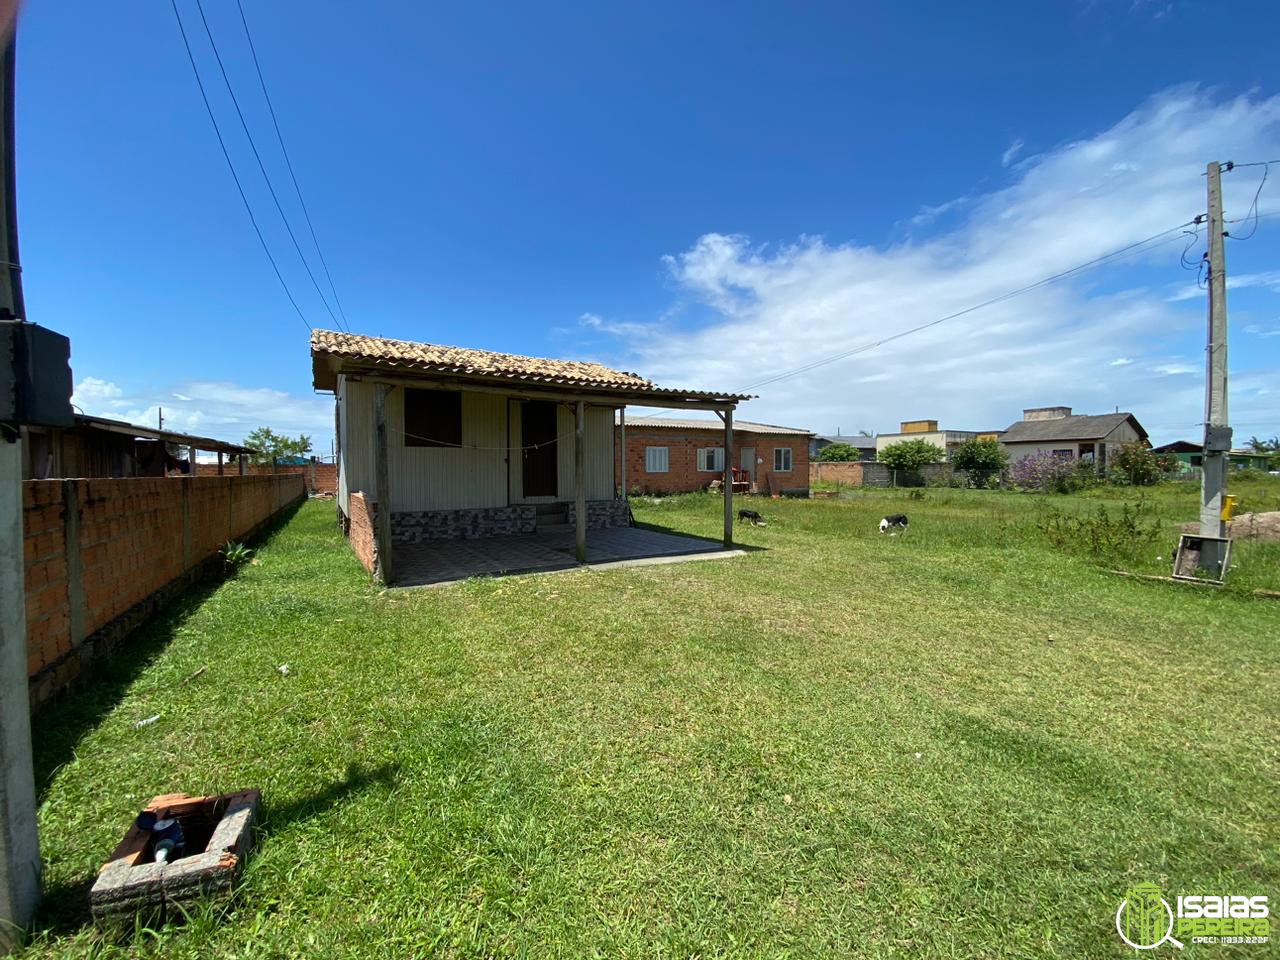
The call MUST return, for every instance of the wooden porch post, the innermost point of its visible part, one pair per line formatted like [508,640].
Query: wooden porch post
[728,477]
[579,479]
[382,480]
[219,463]
[622,447]
[244,463]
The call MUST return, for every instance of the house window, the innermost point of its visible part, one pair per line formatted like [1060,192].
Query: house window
[432,418]
[711,459]
[782,460]
[656,460]
[1064,454]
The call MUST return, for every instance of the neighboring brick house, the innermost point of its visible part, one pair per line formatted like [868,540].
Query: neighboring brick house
[669,455]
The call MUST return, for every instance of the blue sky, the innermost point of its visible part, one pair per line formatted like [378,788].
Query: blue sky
[707,194]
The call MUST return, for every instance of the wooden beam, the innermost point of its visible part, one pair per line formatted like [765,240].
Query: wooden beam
[382,483]
[567,394]
[580,478]
[622,448]
[728,478]
[244,464]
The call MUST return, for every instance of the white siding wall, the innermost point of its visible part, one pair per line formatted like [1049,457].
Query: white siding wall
[477,474]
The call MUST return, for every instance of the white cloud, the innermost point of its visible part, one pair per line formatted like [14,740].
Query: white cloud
[1263,330]
[1269,279]
[1012,152]
[1174,369]
[221,410]
[778,307]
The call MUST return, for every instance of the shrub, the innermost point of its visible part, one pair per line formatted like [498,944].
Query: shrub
[909,455]
[1139,465]
[838,452]
[1106,537]
[1047,472]
[980,456]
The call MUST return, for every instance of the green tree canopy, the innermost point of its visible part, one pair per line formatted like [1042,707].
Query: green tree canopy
[980,456]
[269,446]
[909,454]
[839,452]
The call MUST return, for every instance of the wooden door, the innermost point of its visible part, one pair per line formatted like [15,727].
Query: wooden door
[538,438]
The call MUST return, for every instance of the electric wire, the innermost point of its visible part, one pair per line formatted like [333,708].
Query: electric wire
[324,263]
[232,167]
[226,79]
[1130,248]
[1253,207]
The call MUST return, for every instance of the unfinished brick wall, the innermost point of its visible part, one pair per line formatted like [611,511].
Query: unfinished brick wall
[326,474]
[101,555]
[360,531]
[683,475]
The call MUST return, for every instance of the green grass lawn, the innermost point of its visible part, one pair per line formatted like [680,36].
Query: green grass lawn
[960,742]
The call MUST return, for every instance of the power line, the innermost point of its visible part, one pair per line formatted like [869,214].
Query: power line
[289,164]
[1253,207]
[231,166]
[261,166]
[967,310]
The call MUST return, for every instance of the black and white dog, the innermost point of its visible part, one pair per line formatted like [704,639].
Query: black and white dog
[894,522]
[753,516]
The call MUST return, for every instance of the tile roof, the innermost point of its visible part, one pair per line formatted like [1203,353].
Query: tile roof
[1076,427]
[461,361]
[739,426]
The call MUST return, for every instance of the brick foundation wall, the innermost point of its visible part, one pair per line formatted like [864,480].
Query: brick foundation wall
[326,473]
[359,530]
[425,525]
[101,555]
[601,514]
[683,475]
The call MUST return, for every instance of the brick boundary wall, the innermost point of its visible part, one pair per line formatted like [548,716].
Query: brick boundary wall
[102,555]
[359,530]
[869,473]
[326,474]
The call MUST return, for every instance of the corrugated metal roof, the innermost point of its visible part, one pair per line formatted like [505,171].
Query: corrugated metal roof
[739,426]
[461,361]
[208,444]
[1076,427]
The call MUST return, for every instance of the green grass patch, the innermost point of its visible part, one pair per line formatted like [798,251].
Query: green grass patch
[958,742]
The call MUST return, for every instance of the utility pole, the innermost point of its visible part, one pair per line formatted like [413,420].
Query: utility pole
[24,375]
[160,412]
[1217,434]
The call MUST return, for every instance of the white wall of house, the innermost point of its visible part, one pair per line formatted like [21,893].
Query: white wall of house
[479,473]
[1122,434]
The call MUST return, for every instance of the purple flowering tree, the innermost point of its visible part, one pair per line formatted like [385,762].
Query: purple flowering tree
[1047,472]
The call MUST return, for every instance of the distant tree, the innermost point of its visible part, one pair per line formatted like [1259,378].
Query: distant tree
[269,446]
[980,456]
[839,452]
[909,455]
[1264,446]
[1138,464]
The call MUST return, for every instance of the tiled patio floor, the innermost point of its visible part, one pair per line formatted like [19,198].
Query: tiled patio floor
[443,561]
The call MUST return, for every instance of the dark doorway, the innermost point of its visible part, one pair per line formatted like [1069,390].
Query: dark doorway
[538,437]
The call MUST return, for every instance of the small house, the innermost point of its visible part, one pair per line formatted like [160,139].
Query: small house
[1092,438]
[675,455]
[100,447]
[863,444]
[439,443]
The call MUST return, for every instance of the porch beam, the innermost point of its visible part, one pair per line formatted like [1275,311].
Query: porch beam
[622,448]
[580,478]
[728,477]
[533,393]
[382,481]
